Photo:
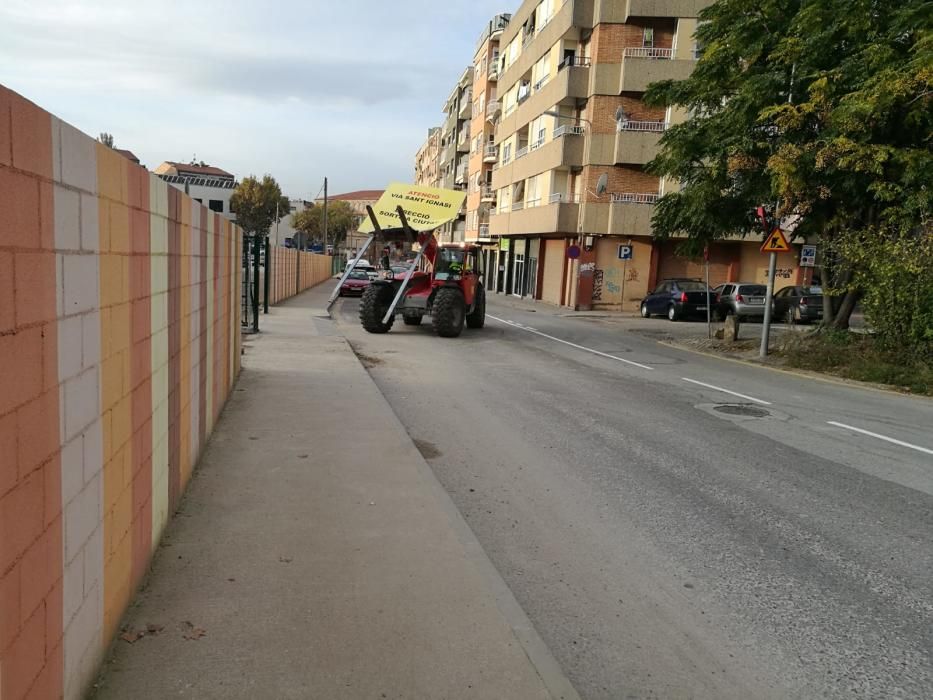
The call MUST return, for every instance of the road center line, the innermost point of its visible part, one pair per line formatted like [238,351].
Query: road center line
[727,391]
[567,342]
[881,437]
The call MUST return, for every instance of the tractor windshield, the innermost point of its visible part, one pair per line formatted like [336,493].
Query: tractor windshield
[450,262]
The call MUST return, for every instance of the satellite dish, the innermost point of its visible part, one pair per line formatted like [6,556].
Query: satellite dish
[602,183]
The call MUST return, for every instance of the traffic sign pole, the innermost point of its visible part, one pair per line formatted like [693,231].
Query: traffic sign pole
[766,323]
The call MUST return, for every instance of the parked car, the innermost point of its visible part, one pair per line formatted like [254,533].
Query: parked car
[355,284]
[798,304]
[676,298]
[742,299]
[362,263]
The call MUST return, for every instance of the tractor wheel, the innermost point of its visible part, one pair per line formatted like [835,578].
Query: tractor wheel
[373,306]
[448,313]
[412,319]
[477,319]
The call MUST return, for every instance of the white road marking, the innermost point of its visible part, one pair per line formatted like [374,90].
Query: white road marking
[881,437]
[567,342]
[727,391]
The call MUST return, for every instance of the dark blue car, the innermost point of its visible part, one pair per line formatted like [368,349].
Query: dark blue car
[677,298]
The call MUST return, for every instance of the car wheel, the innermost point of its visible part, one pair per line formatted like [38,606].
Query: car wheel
[672,314]
[644,310]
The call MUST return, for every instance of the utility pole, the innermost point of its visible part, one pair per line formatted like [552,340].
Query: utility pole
[324,222]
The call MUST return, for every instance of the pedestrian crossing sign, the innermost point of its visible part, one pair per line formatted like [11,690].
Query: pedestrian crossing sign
[776,242]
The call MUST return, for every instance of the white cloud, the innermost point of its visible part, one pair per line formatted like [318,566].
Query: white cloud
[299,89]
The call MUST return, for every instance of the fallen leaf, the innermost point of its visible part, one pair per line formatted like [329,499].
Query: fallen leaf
[132,636]
[285,560]
[195,633]
[154,629]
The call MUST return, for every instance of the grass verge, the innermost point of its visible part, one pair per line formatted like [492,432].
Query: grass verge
[859,357]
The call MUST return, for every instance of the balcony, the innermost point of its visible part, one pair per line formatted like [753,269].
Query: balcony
[463,140]
[568,130]
[560,152]
[484,230]
[466,105]
[461,176]
[642,66]
[487,194]
[521,152]
[491,154]
[557,217]
[493,73]
[492,109]
[566,23]
[569,85]
[662,8]
[637,142]
[630,213]
[558,197]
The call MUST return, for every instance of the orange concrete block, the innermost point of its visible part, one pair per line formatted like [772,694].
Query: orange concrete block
[112,388]
[9,475]
[32,137]
[120,327]
[34,278]
[19,202]
[40,570]
[121,422]
[20,380]
[103,224]
[24,659]
[111,280]
[110,180]
[7,316]
[119,228]
[10,588]
[38,432]
[6,136]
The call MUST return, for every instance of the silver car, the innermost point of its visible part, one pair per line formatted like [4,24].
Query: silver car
[743,299]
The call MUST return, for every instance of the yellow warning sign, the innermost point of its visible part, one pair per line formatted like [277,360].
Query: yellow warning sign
[425,208]
[775,243]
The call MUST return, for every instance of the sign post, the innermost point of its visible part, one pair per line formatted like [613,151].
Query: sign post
[774,243]
[625,254]
[709,321]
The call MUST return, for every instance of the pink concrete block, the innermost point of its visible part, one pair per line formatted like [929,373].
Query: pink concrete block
[35,287]
[32,137]
[6,137]
[56,149]
[19,202]
[7,315]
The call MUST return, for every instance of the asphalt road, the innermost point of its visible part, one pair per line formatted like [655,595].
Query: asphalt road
[679,526]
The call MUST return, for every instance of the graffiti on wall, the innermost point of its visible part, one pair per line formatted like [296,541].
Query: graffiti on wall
[597,285]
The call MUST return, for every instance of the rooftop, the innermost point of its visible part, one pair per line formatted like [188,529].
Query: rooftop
[357,195]
[195,169]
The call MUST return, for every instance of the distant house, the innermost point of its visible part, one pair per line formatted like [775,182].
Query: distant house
[129,155]
[210,185]
[358,200]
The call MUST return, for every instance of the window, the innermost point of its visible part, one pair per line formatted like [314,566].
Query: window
[647,39]
[216,205]
[507,154]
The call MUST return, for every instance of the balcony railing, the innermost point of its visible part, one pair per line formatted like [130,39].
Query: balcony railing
[484,230]
[642,126]
[518,206]
[568,130]
[574,62]
[646,52]
[634,197]
[521,152]
[491,153]
[487,192]
[564,198]
[493,73]
[535,145]
[542,82]
[492,108]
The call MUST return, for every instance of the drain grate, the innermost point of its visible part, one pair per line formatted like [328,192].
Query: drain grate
[740,409]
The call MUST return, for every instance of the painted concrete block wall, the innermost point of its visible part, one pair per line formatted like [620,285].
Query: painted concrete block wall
[312,270]
[120,342]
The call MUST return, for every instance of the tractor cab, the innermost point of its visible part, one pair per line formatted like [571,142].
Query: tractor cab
[453,261]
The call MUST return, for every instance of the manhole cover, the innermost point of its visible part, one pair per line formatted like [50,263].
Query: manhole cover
[742,410]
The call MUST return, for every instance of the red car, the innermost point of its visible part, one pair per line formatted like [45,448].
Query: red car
[355,284]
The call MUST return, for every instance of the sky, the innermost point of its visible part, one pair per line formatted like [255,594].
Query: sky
[299,89]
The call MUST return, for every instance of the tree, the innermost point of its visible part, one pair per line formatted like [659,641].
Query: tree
[106,139]
[255,201]
[341,219]
[822,105]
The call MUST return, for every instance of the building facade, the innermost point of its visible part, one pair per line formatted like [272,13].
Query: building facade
[481,196]
[204,183]
[427,159]
[455,149]
[358,201]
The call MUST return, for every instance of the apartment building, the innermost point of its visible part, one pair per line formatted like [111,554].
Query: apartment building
[573,135]
[427,159]
[455,148]
[481,196]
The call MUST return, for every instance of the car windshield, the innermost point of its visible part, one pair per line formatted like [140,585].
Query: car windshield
[691,286]
[752,289]
[359,275]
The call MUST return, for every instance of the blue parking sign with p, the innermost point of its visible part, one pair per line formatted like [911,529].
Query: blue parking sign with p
[625,252]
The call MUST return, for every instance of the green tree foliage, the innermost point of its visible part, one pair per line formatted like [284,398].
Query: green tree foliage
[823,105]
[255,201]
[341,218]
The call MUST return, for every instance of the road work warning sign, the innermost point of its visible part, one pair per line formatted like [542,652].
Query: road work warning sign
[426,208]
[776,242]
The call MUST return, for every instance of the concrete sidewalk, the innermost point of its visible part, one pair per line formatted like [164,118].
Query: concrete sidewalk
[315,555]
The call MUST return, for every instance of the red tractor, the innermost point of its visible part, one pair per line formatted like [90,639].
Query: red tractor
[451,293]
